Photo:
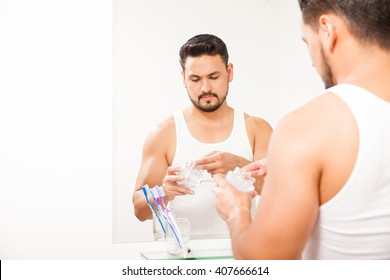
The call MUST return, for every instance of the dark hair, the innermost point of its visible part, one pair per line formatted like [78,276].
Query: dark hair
[367,20]
[203,44]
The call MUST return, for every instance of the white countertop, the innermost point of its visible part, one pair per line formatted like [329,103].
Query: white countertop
[134,250]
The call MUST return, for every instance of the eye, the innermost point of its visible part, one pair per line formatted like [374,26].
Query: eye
[195,80]
[214,77]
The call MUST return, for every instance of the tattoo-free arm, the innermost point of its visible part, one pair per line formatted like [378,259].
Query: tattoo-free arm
[152,171]
[289,201]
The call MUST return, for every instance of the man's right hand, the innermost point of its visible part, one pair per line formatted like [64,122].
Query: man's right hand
[171,184]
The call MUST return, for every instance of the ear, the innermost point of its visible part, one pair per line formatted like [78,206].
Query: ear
[230,72]
[328,32]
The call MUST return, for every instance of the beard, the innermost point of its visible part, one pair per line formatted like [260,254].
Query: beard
[208,107]
[327,74]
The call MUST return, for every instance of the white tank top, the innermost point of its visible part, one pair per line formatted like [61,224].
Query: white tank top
[200,207]
[355,223]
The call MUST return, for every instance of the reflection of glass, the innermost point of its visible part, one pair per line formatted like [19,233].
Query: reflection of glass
[158,232]
[242,181]
[173,247]
[192,175]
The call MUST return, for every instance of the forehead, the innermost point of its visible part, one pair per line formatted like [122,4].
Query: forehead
[204,64]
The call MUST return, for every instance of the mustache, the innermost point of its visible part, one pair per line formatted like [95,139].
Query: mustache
[207,94]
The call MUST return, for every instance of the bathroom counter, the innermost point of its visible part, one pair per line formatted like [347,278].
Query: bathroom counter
[199,250]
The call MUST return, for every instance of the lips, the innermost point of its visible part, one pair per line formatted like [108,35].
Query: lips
[207,96]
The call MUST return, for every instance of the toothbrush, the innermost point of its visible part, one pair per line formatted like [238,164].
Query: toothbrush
[146,191]
[158,196]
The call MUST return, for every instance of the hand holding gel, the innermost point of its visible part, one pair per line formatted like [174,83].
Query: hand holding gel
[242,181]
[192,175]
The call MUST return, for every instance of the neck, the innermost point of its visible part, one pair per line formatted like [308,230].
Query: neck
[367,67]
[219,114]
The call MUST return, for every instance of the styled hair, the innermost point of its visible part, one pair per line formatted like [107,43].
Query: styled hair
[367,20]
[203,44]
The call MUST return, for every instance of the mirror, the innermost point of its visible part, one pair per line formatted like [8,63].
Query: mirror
[147,84]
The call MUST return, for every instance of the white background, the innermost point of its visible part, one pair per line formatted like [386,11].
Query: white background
[59,95]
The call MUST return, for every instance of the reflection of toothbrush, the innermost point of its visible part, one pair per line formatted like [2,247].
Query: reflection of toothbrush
[160,200]
[146,191]
[158,196]
[156,199]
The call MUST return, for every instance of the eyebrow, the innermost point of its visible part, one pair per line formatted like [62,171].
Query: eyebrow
[208,75]
[214,73]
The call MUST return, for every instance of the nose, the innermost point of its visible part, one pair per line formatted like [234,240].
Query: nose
[206,87]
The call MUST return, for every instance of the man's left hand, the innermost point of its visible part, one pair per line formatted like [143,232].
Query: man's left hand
[218,162]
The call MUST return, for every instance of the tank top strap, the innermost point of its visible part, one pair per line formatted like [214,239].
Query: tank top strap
[239,122]
[180,124]
[240,135]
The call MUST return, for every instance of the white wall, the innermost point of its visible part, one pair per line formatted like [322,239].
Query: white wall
[299,81]
[57,110]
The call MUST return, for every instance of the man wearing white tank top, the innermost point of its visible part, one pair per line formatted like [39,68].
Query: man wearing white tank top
[210,132]
[326,193]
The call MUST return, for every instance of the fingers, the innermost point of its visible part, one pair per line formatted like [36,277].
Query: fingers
[219,179]
[257,164]
[246,175]
[252,166]
[171,183]
[230,202]
[258,172]
[215,167]
[207,166]
[208,158]
[205,163]
[180,190]
[252,194]
[256,168]
[172,190]
[173,170]
[217,162]
[212,168]
[173,178]
[222,183]
[211,153]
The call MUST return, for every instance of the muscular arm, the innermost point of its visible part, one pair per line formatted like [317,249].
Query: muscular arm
[290,197]
[152,171]
[260,131]
[155,170]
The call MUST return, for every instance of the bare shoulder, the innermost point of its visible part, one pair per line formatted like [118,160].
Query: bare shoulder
[259,132]
[165,128]
[322,112]
[257,125]
[315,125]
[320,140]
[162,134]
